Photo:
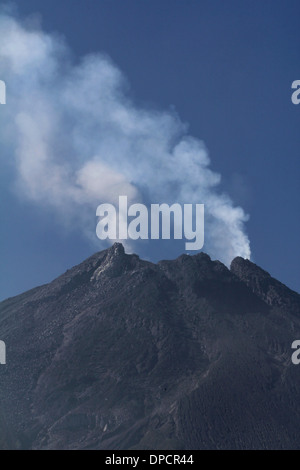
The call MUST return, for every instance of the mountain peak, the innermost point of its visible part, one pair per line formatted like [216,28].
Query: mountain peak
[117,249]
[242,266]
[271,291]
[122,353]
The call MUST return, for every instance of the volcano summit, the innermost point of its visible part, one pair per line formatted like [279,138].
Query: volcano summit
[121,353]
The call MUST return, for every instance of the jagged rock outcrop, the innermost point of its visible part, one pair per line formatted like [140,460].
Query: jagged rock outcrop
[271,291]
[121,353]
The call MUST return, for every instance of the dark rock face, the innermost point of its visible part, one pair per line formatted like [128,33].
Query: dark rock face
[271,291]
[120,353]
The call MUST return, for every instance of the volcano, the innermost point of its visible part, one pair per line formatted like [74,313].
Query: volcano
[122,353]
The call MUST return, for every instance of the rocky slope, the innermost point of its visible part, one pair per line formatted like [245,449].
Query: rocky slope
[120,353]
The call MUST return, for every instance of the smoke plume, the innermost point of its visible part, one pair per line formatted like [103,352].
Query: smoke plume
[77,140]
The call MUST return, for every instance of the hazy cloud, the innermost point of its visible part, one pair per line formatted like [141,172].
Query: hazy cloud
[78,140]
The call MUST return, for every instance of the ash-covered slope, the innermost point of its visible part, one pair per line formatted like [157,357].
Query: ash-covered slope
[120,353]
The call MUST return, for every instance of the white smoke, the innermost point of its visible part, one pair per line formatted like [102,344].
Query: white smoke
[78,140]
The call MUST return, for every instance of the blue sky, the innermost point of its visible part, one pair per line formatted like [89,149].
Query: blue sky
[226,69]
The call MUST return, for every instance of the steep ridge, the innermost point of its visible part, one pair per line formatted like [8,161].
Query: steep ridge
[270,290]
